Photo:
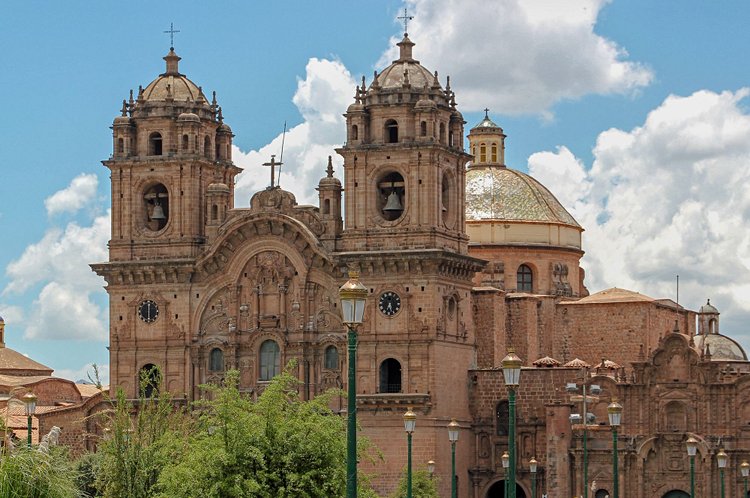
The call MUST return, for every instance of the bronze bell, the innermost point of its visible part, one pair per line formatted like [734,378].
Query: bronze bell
[393,203]
[158,213]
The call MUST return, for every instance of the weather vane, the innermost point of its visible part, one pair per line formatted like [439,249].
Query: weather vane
[171,32]
[406,17]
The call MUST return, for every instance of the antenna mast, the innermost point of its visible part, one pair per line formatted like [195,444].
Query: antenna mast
[281,157]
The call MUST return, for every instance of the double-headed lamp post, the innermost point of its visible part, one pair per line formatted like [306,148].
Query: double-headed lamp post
[410,422]
[745,471]
[532,469]
[353,296]
[29,400]
[512,373]
[506,463]
[721,460]
[692,448]
[453,428]
[614,411]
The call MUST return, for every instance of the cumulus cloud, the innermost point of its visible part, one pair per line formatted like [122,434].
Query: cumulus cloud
[321,97]
[667,198]
[520,56]
[64,308]
[80,192]
[84,373]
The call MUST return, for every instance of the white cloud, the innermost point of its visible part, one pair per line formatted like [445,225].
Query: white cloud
[80,192]
[11,314]
[520,56]
[64,309]
[322,97]
[667,198]
[84,372]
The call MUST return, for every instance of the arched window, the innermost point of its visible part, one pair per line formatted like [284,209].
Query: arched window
[149,379]
[442,133]
[502,418]
[676,416]
[602,493]
[712,326]
[390,376]
[524,279]
[120,146]
[154,144]
[391,131]
[185,142]
[216,360]
[494,153]
[332,358]
[214,212]
[451,140]
[207,147]
[482,153]
[423,128]
[355,132]
[326,206]
[270,360]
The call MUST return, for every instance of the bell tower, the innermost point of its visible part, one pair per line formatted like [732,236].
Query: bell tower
[172,181]
[170,146]
[404,175]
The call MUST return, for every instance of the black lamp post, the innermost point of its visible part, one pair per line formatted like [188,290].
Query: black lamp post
[614,411]
[29,400]
[453,428]
[532,469]
[512,373]
[745,471]
[353,296]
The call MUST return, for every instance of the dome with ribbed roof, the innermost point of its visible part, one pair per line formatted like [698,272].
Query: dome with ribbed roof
[721,347]
[406,71]
[708,308]
[172,85]
[506,194]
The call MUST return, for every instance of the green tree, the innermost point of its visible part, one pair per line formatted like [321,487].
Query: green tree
[422,485]
[140,439]
[278,446]
[29,473]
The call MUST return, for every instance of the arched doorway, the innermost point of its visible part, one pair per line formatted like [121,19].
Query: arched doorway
[497,490]
[676,493]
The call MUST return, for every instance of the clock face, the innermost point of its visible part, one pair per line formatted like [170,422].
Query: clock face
[148,311]
[390,303]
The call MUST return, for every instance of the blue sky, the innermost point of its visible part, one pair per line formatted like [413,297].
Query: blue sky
[632,112]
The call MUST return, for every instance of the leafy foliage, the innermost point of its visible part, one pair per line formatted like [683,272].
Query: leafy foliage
[28,473]
[140,443]
[278,446]
[422,485]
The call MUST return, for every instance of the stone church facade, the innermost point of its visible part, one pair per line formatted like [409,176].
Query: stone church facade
[464,258]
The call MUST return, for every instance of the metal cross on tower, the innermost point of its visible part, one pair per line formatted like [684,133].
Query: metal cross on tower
[486,113]
[273,165]
[171,32]
[406,17]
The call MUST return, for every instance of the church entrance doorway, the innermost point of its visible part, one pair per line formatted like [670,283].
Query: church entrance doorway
[497,490]
[676,493]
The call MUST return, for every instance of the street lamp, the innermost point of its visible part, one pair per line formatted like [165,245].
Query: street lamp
[614,411]
[410,422]
[506,463]
[353,296]
[745,471]
[431,468]
[587,418]
[453,428]
[532,469]
[512,373]
[692,447]
[721,459]
[30,401]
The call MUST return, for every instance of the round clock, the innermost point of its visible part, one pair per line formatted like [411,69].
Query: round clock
[148,311]
[390,303]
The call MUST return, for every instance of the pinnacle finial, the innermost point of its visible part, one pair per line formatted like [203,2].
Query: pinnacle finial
[124,108]
[329,169]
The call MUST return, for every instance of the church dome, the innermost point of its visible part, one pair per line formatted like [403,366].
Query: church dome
[172,85]
[189,117]
[487,125]
[406,71]
[505,194]
[219,188]
[708,308]
[722,348]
